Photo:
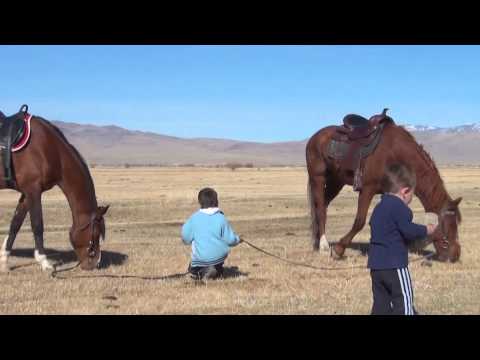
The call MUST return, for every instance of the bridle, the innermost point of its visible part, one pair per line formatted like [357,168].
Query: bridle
[446,241]
[91,252]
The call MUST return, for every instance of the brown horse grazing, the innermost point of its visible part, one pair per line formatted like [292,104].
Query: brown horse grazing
[48,159]
[328,174]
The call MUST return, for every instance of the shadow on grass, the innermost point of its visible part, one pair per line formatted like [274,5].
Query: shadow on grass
[363,249]
[233,272]
[109,258]
[61,257]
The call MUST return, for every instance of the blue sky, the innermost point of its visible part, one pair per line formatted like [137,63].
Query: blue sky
[259,93]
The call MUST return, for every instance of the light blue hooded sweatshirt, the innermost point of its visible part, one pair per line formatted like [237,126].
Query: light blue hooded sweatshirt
[211,237]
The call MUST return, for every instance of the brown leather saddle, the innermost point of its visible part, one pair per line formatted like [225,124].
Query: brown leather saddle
[355,140]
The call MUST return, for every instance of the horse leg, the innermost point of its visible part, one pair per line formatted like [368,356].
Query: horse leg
[15,225]
[364,200]
[332,189]
[318,207]
[36,219]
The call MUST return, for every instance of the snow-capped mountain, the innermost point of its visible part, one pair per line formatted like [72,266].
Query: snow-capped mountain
[465,128]
[473,127]
[420,127]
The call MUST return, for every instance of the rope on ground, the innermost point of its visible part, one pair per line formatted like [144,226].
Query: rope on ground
[54,273]
[319,267]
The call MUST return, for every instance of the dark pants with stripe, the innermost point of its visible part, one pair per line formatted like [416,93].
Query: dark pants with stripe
[392,292]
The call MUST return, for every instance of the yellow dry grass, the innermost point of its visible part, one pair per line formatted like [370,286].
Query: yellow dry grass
[268,207]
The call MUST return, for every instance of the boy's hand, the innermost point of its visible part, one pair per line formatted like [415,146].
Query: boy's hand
[431,229]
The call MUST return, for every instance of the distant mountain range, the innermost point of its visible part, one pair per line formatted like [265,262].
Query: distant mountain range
[113,145]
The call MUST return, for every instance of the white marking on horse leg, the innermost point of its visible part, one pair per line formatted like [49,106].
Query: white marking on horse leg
[4,246]
[4,254]
[324,245]
[43,261]
[99,259]
[4,265]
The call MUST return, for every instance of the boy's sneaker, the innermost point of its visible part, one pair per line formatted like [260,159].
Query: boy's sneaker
[210,273]
[195,276]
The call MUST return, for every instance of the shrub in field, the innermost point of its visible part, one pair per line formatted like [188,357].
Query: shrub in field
[233,166]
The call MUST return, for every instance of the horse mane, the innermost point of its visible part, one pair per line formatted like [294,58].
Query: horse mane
[73,148]
[424,153]
[431,164]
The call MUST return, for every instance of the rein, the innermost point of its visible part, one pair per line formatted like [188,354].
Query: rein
[54,273]
[299,263]
[323,268]
[166,277]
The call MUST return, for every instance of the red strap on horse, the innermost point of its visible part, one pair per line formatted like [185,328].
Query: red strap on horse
[26,135]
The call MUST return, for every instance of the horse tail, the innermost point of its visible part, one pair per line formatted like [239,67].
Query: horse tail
[313,215]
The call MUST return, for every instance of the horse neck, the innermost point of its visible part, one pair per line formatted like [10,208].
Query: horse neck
[77,185]
[80,193]
[430,188]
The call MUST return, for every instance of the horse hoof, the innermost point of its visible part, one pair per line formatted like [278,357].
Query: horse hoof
[4,268]
[46,265]
[334,254]
[326,250]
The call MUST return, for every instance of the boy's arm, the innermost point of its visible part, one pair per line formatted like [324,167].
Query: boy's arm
[228,235]
[409,230]
[187,232]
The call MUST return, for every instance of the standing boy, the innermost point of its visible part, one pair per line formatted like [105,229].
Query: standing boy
[391,231]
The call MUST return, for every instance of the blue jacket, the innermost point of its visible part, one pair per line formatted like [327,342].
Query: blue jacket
[211,237]
[391,230]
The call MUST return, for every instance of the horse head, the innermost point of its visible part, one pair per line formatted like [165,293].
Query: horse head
[445,238]
[86,239]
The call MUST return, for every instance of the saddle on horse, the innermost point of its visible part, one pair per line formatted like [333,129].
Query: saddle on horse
[356,139]
[14,133]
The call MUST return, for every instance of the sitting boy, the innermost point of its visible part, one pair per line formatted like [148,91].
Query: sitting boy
[391,231]
[211,237]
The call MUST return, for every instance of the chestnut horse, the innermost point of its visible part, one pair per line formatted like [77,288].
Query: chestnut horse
[48,160]
[396,145]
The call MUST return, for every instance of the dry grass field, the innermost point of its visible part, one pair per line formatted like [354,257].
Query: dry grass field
[267,206]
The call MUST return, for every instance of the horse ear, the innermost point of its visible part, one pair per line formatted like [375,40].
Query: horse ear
[457,201]
[102,210]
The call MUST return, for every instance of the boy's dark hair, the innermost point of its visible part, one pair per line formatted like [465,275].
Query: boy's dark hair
[207,198]
[398,176]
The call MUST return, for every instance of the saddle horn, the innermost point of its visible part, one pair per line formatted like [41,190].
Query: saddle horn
[24,106]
